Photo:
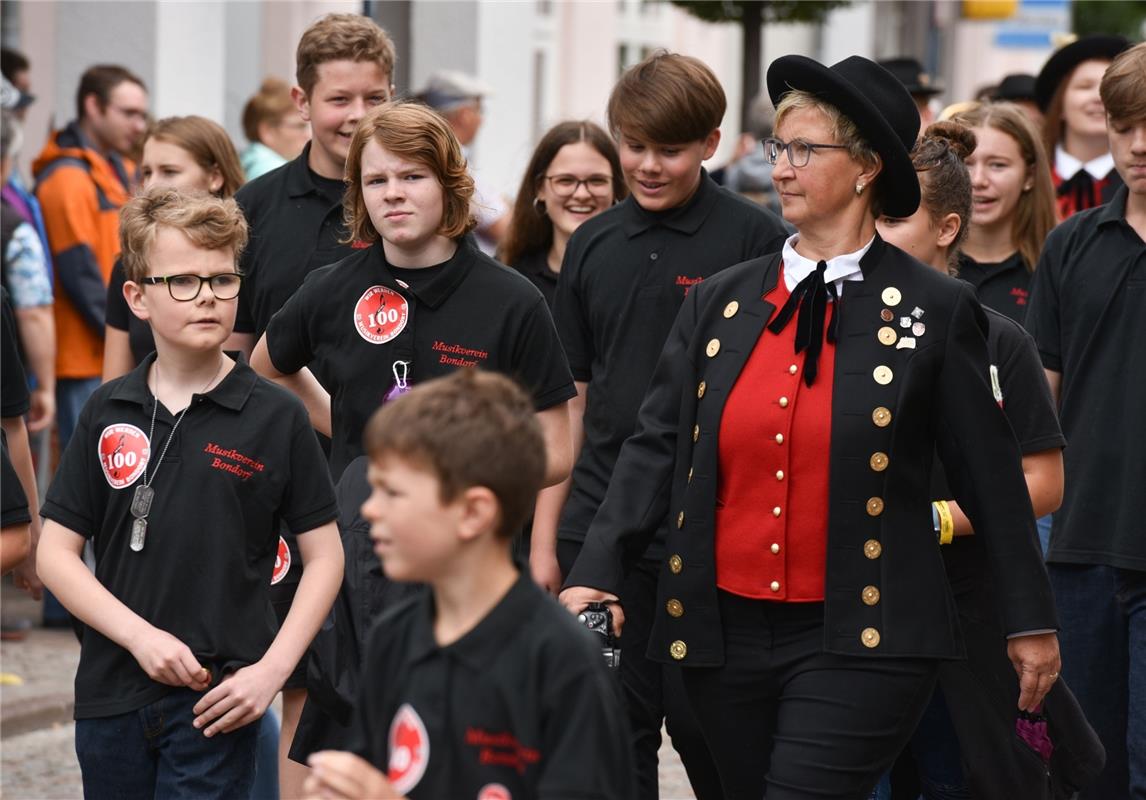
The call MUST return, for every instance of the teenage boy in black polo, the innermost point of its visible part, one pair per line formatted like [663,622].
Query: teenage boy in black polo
[180,473]
[344,66]
[419,302]
[481,687]
[1088,317]
[623,279]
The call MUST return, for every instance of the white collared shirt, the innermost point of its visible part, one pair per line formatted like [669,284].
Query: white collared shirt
[1067,166]
[840,269]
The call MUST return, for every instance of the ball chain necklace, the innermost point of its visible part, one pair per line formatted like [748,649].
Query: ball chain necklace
[144,494]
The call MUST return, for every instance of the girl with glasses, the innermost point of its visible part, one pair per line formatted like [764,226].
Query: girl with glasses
[193,155]
[573,176]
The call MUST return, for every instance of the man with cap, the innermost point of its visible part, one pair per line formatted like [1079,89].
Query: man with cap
[458,97]
[803,592]
[918,83]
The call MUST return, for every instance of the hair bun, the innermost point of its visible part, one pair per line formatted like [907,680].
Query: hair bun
[958,137]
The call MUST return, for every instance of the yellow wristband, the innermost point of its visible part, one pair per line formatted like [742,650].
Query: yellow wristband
[946,522]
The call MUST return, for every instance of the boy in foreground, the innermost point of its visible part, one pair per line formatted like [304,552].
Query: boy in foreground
[180,473]
[483,686]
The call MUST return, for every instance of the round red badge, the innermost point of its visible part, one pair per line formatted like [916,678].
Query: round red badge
[380,314]
[409,750]
[494,791]
[282,562]
[123,454]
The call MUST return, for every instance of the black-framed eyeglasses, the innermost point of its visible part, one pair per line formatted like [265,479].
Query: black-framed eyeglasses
[566,185]
[799,152]
[185,288]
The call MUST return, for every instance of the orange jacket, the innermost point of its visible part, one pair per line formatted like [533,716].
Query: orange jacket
[80,192]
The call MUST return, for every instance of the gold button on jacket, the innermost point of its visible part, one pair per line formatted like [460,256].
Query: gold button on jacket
[870,637]
[872,549]
[675,564]
[731,309]
[713,347]
[674,608]
[870,595]
[881,417]
[678,650]
[878,461]
[874,507]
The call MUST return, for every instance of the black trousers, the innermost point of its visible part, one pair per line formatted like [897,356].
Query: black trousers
[786,721]
[653,691]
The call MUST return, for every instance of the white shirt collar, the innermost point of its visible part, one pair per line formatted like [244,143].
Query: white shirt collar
[840,269]
[1067,165]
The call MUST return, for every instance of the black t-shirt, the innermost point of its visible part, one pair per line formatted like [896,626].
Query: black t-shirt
[1024,395]
[623,279]
[1088,318]
[1004,286]
[119,316]
[14,399]
[243,459]
[295,217]
[535,266]
[353,322]
[523,702]
[13,501]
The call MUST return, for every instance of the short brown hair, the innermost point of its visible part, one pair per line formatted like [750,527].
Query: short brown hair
[270,104]
[470,428]
[668,99]
[412,131]
[207,143]
[1123,87]
[101,81]
[211,223]
[342,37]
[1035,214]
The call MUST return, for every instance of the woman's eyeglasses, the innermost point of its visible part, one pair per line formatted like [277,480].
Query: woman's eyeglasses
[184,288]
[566,185]
[799,152]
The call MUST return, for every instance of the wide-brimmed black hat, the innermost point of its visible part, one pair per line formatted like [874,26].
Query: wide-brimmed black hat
[1015,88]
[876,102]
[1065,59]
[911,74]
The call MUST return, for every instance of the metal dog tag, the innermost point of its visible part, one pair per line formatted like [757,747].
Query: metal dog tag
[138,534]
[141,501]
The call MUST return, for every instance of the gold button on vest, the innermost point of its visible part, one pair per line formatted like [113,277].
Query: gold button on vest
[879,461]
[872,549]
[874,507]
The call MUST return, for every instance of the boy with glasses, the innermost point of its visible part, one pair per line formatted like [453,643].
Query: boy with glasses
[180,473]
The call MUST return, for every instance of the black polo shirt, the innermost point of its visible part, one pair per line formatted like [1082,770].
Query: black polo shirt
[243,460]
[295,217]
[523,703]
[354,320]
[119,316]
[623,279]
[1024,394]
[14,398]
[1005,286]
[535,266]
[1088,317]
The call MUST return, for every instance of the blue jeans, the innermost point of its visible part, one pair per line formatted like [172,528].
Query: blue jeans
[154,752]
[1103,640]
[267,758]
[1044,526]
[71,394]
[935,746]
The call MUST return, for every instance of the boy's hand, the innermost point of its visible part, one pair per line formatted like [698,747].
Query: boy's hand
[575,598]
[345,776]
[167,660]
[241,698]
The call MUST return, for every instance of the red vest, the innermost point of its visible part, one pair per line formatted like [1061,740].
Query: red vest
[772,499]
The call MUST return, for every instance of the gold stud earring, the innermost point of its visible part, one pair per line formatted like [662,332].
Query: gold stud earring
[859,188]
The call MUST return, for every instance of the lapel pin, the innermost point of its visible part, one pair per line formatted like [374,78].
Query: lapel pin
[917,312]
[886,315]
[905,322]
[919,329]
[905,343]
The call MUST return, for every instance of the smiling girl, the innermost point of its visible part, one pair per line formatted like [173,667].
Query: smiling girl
[1012,207]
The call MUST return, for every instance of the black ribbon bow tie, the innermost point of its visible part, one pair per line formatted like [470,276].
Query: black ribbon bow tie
[1082,191]
[811,296]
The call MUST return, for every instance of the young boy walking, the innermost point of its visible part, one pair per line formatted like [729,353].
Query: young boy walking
[482,687]
[625,275]
[180,473]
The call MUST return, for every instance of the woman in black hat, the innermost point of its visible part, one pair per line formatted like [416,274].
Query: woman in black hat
[1074,127]
[786,439]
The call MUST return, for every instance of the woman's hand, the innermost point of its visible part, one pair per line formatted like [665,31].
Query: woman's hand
[575,598]
[1037,662]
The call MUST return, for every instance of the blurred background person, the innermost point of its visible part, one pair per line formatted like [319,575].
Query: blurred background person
[1074,127]
[1012,207]
[751,174]
[573,175]
[458,97]
[919,83]
[274,128]
[1019,88]
[191,154]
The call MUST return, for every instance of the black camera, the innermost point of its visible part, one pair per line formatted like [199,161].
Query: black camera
[599,619]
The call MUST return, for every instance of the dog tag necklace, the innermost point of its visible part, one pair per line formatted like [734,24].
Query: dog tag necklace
[144,495]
